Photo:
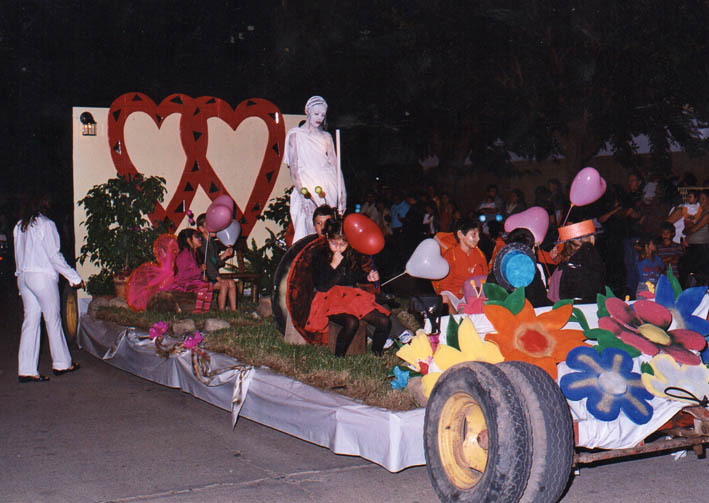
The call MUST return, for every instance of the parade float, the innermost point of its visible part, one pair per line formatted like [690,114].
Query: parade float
[515,397]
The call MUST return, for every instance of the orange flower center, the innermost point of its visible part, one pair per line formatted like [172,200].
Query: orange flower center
[534,340]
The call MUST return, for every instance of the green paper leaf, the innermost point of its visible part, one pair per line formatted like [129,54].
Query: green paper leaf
[594,333]
[601,303]
[495,303]
[646,368]
[452,333]
[676,287]
[609,340]
[494,291]
[515,301]
[609,292]
[562,302]
[580,318]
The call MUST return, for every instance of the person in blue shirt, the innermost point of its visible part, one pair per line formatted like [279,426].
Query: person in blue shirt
[398,212]
[649,266]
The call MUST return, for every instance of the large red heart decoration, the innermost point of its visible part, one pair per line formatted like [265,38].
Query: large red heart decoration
[194,137]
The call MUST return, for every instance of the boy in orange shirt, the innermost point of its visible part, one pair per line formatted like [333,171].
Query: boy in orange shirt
[465,259]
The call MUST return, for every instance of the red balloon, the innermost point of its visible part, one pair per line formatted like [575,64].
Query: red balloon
[363,234]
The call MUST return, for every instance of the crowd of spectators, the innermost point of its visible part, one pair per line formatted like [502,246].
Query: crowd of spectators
[639,225]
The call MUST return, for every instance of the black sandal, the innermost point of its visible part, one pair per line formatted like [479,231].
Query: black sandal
[38,378]
[74,366]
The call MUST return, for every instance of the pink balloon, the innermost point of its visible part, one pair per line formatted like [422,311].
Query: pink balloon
[218,217]
[588,187]
[535,219]
[225,200]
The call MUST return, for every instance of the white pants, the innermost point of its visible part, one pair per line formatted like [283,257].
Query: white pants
[40,296]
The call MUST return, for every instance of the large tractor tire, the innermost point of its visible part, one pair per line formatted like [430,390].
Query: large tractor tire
[552,430]
[476,436]
[70,313]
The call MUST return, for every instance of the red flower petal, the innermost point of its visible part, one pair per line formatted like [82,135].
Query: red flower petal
[621,312]
[639,342]
[681,355]
[689,339]
[607,323]
[654,313]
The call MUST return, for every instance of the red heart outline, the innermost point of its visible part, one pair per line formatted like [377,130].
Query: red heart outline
[194,136]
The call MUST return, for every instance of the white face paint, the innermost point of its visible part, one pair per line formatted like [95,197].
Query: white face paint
[316,116]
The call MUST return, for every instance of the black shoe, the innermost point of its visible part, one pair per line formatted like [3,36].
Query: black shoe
[39,378]
[74,366]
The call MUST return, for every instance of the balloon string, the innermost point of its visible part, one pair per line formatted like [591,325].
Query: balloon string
[567,214]
[206,252]
[392,279]
[371,262]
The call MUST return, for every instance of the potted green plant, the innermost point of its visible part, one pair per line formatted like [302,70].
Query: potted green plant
[119,235]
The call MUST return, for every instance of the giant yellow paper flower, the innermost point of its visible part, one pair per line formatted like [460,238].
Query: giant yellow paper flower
[693,379]
[531,338]
[472,348]
[418,351]
[419,355]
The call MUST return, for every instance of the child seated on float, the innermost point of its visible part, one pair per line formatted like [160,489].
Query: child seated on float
[322,214]
[536,291]
[188,273]
[215,261]
[336,270]
[464,258]
[581,271]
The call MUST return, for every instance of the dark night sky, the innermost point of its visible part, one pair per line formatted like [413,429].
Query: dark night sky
[60,54]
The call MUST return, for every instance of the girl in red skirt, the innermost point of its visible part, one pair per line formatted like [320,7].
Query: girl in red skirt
[336,271]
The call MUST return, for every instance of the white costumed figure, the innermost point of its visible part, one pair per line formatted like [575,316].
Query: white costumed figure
[311,158]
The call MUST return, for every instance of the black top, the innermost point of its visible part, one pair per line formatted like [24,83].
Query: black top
[583,276]
[214,263]
[348,273]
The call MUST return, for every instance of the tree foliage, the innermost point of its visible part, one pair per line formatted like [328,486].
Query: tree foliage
[119,236]
[535,77]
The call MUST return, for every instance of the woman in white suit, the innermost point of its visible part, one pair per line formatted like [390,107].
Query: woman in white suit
[39,263]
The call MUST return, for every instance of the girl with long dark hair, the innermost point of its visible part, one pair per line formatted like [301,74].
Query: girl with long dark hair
[39,263]
[188,273]
[336,272]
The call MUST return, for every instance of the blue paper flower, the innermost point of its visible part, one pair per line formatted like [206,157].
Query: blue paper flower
[608,382]
[401,378]
[682,306]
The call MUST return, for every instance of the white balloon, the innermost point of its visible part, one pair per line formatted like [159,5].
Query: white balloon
[426,261]
[229,234]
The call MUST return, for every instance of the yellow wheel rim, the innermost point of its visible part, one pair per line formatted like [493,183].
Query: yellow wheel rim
[463,440]
[72,315]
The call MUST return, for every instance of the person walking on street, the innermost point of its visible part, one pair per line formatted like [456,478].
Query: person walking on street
[38,265]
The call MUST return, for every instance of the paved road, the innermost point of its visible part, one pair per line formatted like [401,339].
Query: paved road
[101,435]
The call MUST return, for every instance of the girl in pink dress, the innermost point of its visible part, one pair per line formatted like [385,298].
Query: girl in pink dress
[188,273]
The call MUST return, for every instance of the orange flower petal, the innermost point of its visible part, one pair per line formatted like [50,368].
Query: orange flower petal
[548,365]
[566,340]
[501,318]
[527,314]
[556,318]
